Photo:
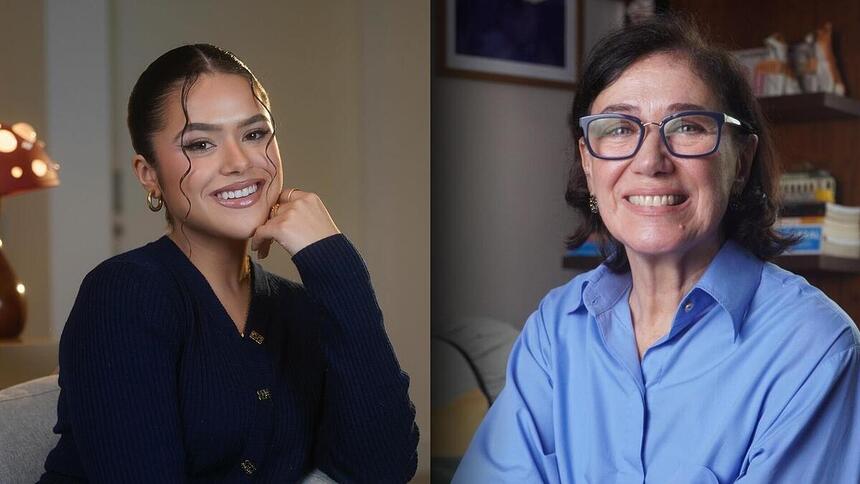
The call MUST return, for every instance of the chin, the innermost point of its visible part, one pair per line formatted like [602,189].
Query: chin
[226,231]
[656,246]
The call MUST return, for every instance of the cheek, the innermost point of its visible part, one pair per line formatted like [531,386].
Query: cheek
[604,179]
[173,170]
[715,192]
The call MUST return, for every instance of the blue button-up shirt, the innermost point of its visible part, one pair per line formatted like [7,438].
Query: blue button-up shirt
[756,382]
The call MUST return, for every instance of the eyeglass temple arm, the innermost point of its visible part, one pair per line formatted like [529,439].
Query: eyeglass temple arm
[738,122]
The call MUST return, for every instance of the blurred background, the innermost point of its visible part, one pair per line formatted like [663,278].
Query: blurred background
[350,87]
[500,156]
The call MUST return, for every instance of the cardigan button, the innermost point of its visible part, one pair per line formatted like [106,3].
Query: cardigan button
[264,394]
[248,467]
[257,337]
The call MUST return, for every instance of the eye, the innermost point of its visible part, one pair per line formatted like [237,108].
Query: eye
[620,131]
[616,128]
[690,128]
[257,134]
[198,145]
[692,125]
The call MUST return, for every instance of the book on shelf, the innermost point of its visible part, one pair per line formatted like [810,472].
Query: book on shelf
[805,196]
[807,187]
[808,229]
[588,249]
[841,231]
[802,209]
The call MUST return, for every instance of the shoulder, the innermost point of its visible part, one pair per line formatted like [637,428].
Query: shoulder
[562,303]
[131,271]
[132,293]
[142,260]
[787,309]
[137,282]
[569,296]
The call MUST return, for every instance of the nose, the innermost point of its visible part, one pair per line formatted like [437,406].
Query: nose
[236,159]
[653,157]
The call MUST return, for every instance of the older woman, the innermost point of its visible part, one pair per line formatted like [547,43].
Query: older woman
[685,357]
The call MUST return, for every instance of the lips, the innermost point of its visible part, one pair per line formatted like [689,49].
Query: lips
[239,195]
[666,200]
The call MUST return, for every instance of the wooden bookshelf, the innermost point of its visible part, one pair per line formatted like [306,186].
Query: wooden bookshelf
[809,129]
[810,107]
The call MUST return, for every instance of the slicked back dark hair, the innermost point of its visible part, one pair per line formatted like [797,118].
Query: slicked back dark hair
[177,70]
[750,218]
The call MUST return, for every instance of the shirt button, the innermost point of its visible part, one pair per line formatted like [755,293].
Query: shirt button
[689,306]
[264,394]
[248,467]
[257,337]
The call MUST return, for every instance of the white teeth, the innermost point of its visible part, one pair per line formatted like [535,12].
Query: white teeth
[230,194]
[654,200]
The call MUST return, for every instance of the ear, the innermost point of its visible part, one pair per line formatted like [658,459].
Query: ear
[745,158]
[586,160]
[146,175]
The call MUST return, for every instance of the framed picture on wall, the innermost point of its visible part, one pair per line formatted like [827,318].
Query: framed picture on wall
[524,41]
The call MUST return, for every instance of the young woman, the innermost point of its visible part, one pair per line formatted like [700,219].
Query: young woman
[183,360]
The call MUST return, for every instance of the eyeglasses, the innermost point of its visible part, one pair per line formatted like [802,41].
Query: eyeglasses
[687,134]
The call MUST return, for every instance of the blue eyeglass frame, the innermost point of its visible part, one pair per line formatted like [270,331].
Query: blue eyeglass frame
[720,118]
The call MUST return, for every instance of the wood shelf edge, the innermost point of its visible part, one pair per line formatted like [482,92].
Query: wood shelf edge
[818,106]
[28,342]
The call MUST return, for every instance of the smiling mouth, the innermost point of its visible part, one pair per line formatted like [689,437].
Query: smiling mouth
[240,193]
[656,200]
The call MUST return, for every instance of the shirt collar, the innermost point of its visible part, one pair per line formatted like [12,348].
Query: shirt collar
[731,280]
[598,289]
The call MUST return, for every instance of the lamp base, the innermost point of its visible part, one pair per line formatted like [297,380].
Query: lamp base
[13,306]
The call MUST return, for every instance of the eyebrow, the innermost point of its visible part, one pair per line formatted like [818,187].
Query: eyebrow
[673,108]
[217,127]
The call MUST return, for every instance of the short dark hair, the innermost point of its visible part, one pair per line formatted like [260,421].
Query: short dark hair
[750,218]
[177,70]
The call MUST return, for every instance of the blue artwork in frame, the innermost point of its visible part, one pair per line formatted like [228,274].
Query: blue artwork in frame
[531,41]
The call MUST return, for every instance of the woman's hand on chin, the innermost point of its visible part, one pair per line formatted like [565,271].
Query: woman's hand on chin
[296,221]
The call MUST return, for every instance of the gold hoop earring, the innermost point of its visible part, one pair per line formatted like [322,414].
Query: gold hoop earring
[153,203]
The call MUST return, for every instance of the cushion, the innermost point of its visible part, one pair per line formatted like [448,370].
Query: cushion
[486,344]
[28,412]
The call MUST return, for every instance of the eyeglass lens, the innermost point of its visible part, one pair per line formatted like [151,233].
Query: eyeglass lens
[691,135]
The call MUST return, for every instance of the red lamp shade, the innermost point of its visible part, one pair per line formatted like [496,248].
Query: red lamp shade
[24,166]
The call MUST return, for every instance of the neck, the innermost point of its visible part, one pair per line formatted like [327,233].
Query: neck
[660,282]
[224,263]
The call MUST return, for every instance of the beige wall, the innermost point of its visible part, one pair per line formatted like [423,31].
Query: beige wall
[395,119]
[349,82]
[500,164]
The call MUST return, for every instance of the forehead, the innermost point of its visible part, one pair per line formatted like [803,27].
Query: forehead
[214,98]
[652,84]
